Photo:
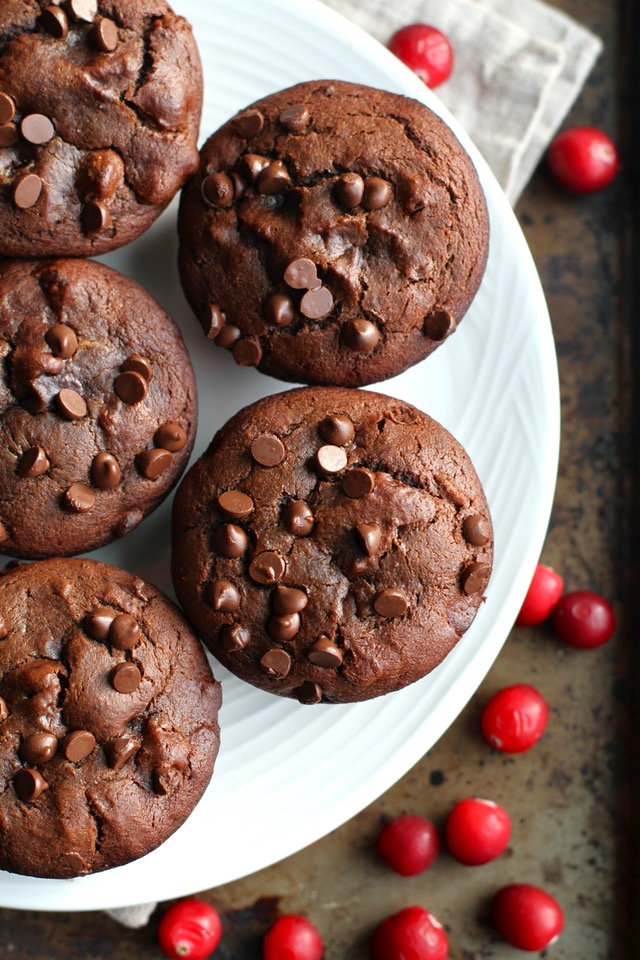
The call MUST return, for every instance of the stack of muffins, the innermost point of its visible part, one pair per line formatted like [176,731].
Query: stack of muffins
[332,544]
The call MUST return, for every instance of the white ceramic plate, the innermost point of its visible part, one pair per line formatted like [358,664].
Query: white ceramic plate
[286,774]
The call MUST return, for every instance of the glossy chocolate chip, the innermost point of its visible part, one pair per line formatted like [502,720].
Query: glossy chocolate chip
[274,179]
[267,567]
[98,623]
[287,600]
[224,596]
[4,711]
[331,459]
[78,745]
[9,135]
[230,540]
[252,165]
[349,189]
[105,471]
[377,193]
[82,10]
[474,577]
[131,387]
[234,637]
[26,191]
[166,780]
[80,498]
[153,463]
[308,692]
[239,185]
[369,537]
[140,364]
[391,602]
[7,108]
[276,662]
[298,518]
[358,482]
[336,430]
[316,304]
[279,309]
[170,436]
[360,335]
[38,748]
[302,274]
[33,463]
[294,118]
[248,124]
[124,632]
[476,530]
[268,450]
[54,20]
[235,504]
[120,750]
[126,677]
[218,190]
[29,784]
[247,352]
[437,325]
[324,653]
[215,321]
[37,129]
[104,35]
[95,217]
[229,335]
[61,340]
[283,627]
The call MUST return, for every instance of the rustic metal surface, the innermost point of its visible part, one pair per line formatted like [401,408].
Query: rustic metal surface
[571,796]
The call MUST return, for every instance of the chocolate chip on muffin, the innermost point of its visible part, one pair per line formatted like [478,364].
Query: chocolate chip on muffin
[345,565]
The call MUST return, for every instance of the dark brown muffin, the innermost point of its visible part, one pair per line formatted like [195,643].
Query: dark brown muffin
[108,718]
[100,104]
[333,234]
[331,544]
[97,406]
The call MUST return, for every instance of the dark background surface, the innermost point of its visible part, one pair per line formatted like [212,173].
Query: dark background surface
[572,797]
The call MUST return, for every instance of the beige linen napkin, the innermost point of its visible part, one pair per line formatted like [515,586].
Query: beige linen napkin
[519,66]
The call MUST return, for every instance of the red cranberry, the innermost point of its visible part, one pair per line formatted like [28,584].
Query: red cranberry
[583,619]
[190,928]
[544,592]
[582,159]
[527,917]
[414,933]
[424,50]
[408,844]
[477,831]
[292,938]
[515,718]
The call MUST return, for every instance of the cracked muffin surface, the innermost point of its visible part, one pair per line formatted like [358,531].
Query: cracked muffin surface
[108,718]
[100,104]
[331,544]
[333,234]
[98,406]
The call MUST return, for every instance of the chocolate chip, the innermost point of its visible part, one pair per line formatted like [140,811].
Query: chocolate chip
[71,405]
[7,108]
[476,530]
[54,21]
[8,135]
[98,623]
[331,459]
[228,336]
[279,309]
[131,387]
[224,596]
[391,603]
[316,303]
[126,677]
[104,35]
[215,321]
[437,325]
[475,577]
[29,784]
[80,498]
[336,430]
[78,745]
[276,662]
[252,165]
[360,335]
[62,340]
[267,567]
[140,364]
[274,179]
[83,10]
[231,540]
[120,750]
[239,185]
[235,504]
[302,274]
[27,190]
[324,653]
[37,129]
[294,118]
[4,711]
[248,124]
[349,189]
[246,352]
[298,519]
[170,436]
[234,638]
[38,748]
[287,600]
[166,780]
[359,482]
[153,463]
[218,190]
[95,217]
[105,471]
[283,627]
[33,463]
[369,537]
[377,193]
[268,450]
[124,632]
[308,692]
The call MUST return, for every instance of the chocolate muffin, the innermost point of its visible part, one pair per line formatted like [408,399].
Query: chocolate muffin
[331,544]
[108,718]
[334,234]
[97,406]
[100,104]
